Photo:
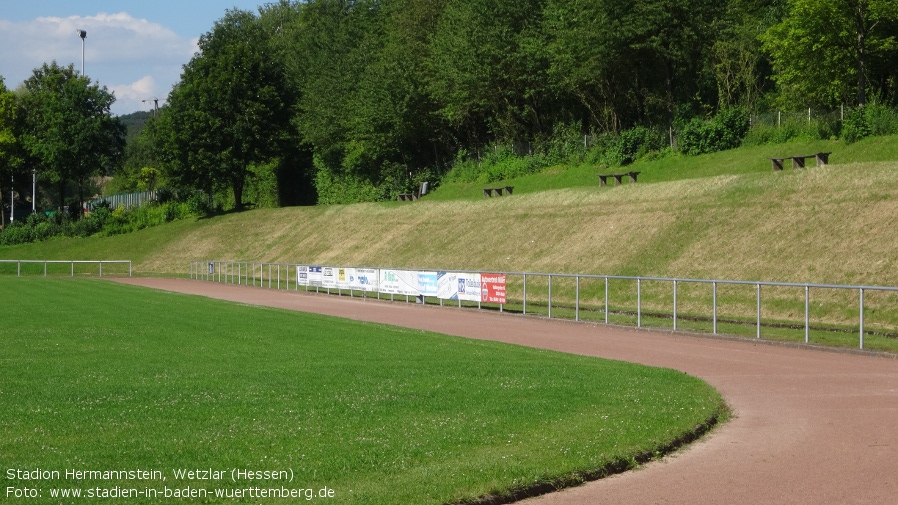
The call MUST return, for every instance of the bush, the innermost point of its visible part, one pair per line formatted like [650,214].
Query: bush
[869,120]
[16,232]
[631,145]
[725,131]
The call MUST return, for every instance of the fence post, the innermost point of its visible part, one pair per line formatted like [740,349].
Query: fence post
[807,313]
[714,317]
[577,302]
[606,300]
[638,302]
[758,335]
[524,311]
[675,305]
[101,269]
[862,318]
[550,297]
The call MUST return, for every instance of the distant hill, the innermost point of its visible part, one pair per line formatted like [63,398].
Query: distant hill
[135,122]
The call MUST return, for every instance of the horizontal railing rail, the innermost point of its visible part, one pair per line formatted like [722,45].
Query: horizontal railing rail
[283,276]
[71,263]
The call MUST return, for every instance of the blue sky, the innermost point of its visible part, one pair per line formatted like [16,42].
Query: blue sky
[134,48]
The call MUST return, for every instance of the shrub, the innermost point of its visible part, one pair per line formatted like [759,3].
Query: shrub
[16,232]
[725,131]
[871,119]
[631,145]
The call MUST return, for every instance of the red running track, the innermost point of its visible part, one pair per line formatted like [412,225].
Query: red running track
[810,426]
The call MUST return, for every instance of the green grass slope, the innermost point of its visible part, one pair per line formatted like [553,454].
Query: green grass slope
[725,215]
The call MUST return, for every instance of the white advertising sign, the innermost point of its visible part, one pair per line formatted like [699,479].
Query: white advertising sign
[399,282]
[363,279]
[329,277]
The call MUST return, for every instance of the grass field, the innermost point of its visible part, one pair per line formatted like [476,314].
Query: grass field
[97,376]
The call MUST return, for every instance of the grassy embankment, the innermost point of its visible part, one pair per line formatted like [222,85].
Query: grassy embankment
[127,378]
[719,216]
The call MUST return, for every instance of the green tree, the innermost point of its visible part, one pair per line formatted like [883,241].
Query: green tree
[10,149]
[824,51]
[230,110]
[488,71]
[69,133]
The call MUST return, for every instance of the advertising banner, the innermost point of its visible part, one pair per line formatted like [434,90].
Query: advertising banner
[469,287]
[458,286]
[315,277]
[447,285]
[492,287]
[302,275]
[363,279]
[329,277]
[427,283]
[399,282]
[343,276]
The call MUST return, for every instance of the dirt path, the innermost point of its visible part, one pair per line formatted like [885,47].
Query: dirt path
[810,427]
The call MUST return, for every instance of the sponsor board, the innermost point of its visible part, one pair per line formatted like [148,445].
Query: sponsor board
[399,282]
[315,277]
[469,287]
[343,276]
[492,288]
[427,283]
[329,277]
[447,285]
[363,279]
[302,275]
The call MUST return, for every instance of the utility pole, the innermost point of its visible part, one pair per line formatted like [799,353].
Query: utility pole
[83,35]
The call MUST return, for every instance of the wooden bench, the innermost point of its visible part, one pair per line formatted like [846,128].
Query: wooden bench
[618,178]
[798,161]
[413,197]
[489,192]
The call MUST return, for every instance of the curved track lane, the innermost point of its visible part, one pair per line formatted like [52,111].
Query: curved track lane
[809,427]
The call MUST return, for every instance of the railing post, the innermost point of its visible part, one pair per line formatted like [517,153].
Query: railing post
[18,269]
[807,314]
[550,297]
[758,335]
[675,305]
[524,311]
[638,302]
[862,318]
[101,269]
[606,300]
[714,317]
[577,301]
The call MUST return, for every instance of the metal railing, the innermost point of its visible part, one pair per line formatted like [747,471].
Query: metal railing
[283,276]
[71,263]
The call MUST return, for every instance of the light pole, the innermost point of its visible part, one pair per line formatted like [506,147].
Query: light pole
[83,35]
[155,105]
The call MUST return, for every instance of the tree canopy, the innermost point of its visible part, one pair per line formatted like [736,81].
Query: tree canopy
[230,110]
[68,131]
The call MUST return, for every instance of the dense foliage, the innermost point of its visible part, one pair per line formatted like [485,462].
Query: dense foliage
[337,101]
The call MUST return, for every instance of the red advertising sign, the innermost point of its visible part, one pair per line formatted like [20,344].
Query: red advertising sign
[492,288]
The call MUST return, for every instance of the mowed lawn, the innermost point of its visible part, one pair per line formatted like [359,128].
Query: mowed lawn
[96,376]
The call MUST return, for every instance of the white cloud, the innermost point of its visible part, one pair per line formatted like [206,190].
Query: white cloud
[133,57]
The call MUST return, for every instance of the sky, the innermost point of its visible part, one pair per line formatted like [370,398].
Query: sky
[136,48]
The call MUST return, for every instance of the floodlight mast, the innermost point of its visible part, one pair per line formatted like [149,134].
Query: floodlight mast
[83,35]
